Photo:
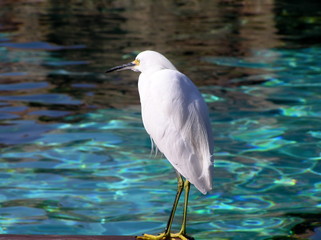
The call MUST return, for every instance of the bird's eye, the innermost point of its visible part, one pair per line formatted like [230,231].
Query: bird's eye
[136,62]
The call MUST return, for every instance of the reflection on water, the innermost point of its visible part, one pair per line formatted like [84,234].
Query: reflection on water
[75,158]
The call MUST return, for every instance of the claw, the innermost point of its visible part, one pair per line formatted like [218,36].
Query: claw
[161,236]
[181,236]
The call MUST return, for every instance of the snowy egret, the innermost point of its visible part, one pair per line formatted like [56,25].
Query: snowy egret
[176,117]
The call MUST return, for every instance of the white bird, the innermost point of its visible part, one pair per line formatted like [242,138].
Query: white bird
[175,116]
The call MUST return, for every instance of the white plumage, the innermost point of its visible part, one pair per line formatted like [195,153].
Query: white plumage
[176,117]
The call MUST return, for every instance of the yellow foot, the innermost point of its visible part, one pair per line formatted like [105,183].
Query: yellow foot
[163,236]
[181,236]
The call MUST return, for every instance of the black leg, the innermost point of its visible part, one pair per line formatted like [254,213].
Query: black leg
[180,186]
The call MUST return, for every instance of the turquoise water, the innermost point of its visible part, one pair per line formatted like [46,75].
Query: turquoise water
[75,158]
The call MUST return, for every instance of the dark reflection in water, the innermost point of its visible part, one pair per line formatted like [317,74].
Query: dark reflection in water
[75,158]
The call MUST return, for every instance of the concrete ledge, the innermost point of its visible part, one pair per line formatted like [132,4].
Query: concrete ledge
[62,237]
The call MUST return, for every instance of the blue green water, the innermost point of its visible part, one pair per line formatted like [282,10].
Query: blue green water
[75,158]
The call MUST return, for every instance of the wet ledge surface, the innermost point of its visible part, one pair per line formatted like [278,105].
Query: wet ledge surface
[62,237]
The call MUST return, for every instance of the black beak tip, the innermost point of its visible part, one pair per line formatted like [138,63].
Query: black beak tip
[112,69]
[121,67]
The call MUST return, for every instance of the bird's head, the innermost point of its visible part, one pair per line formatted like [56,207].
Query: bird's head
[146,61]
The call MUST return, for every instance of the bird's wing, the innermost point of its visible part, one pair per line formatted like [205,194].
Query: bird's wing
[176,117]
